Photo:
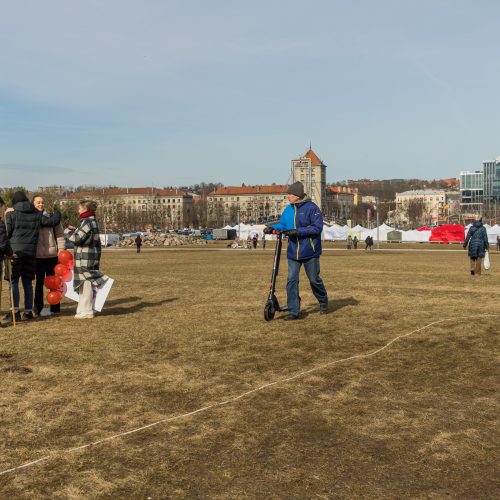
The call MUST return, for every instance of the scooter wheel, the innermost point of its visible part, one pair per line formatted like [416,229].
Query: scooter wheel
[269,311]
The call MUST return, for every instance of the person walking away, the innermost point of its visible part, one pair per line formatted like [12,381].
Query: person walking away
[477,243]
[23,223]
[50,241]
[254,241]
[498,243]
[303,222]
[355,242]
[5,248]
[263,242]
[369,243]
[349,242]
[138,243]
[87,258]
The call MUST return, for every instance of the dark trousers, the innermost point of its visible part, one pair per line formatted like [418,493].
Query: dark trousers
[44,267]
[22,271]
[28,293]
[138,248]
[292,286]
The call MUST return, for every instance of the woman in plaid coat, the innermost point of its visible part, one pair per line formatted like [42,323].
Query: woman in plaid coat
[87,257]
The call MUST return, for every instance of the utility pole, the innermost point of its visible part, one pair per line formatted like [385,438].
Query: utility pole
[378,232]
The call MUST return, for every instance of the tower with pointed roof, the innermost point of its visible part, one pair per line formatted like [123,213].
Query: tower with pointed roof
[311,171]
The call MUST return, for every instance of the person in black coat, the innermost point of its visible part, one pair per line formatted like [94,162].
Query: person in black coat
[23,223]
[5,248]
[477,241]
[138,243]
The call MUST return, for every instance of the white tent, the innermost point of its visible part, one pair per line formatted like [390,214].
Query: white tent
[493,232]
[383,229]
[246,230]
[335,233]
[416,236]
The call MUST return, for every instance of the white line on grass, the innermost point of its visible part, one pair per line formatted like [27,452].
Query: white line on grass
[236,398]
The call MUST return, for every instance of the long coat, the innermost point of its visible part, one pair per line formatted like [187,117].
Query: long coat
[87,253]
[477,240]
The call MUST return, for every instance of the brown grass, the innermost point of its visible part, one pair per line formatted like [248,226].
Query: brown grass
[184,329]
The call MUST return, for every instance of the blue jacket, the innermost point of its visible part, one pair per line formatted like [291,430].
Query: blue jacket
[477,239]
[306,218]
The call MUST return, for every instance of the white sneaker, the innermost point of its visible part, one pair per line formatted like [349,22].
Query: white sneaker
[84,316]
[46,312]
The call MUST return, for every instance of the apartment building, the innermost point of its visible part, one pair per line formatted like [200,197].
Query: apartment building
[429,205]
[148,206]
[339,202]
[247,204]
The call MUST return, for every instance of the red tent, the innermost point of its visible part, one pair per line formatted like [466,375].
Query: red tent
[424,228]
[448,232]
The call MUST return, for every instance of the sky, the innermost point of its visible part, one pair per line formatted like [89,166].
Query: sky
[171,93]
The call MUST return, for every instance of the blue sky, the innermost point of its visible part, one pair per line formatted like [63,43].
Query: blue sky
[169,92]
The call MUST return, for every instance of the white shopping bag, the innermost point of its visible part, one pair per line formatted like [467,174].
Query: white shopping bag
[100,294]
[486,260]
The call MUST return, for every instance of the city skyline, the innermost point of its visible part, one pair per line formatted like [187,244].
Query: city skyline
[175,93]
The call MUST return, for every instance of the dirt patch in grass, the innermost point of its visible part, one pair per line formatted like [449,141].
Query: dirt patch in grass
[184,329]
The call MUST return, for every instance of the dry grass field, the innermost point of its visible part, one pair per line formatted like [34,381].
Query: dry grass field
[184,330]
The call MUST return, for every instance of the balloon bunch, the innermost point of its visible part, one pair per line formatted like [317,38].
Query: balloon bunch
[63,272]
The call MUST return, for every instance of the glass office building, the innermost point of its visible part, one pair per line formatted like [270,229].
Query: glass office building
[471,194]
[491,170]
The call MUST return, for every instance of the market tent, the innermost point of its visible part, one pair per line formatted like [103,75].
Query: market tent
[335,232]
[424,228]
[448,233]
[380,232]
[493,232]
[416,235]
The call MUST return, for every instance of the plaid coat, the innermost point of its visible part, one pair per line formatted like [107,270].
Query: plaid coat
[87,253]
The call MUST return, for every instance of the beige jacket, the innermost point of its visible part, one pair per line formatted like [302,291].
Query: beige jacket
[50,241]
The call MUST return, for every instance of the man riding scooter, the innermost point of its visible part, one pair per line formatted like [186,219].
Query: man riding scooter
[302,221]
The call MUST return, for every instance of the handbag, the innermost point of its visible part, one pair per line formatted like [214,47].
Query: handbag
[486,260]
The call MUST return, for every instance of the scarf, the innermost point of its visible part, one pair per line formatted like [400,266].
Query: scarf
[88,213]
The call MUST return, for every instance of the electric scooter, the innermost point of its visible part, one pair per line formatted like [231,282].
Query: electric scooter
[272,304]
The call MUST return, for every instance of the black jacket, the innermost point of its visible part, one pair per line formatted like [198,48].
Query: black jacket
[23,226]
[5,248]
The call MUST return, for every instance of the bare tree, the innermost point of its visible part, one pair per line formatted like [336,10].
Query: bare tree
[415,210]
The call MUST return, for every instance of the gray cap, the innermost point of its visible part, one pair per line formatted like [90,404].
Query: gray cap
[297,188]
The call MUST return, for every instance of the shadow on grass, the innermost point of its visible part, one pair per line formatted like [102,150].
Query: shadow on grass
[337,304]
[114,311]
[123,300]
[334,306]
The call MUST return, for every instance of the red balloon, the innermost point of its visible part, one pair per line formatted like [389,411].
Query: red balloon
[68,274]
[65,257]
[53,282]
[70,265]
[60,269]
[54,297]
